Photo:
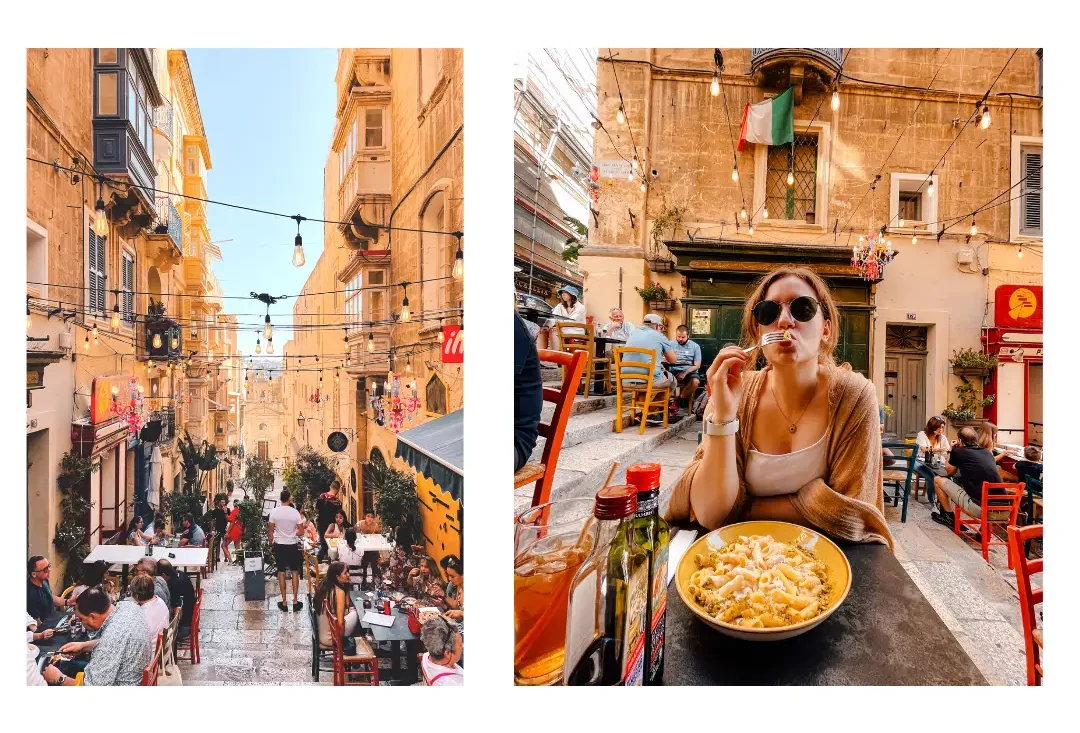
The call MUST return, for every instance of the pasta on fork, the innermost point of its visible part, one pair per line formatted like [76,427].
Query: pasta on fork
[757,582]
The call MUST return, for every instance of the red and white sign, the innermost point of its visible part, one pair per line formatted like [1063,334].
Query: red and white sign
[1018,306]
[453,348]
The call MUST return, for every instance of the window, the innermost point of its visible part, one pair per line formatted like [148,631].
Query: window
[37,260]
[797,202]
[373,128]
[107,94]
[376,296]
[128,288]
[95,265]
[910,202]
[1031,191]
[106,55]
[192,165]
[434,266]
[430,72]
[353,292]
[435,395]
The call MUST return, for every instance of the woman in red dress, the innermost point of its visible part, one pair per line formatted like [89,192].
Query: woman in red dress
[235,531]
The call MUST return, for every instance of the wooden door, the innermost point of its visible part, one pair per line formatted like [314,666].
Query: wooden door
[892,395]
[913,394]
[905,380]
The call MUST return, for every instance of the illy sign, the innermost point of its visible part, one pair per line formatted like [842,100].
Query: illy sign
[453,348]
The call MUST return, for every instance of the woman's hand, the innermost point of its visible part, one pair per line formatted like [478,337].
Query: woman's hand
[48,634]
[725,383]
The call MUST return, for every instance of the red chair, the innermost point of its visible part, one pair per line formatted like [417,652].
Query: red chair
[150,672]
[363,665]
[191,643]
[543,473]
[1033,638]
[997,509]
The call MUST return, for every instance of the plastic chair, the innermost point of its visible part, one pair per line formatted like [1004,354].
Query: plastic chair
[898,475]
[362,665]
[630,381]
[997,509]
[1033,638]
[596,367]
[543,473]
[191,643]
[150,671]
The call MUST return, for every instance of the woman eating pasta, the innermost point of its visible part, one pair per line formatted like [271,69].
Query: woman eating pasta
[797,441]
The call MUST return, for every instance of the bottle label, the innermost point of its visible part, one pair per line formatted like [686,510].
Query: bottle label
[647,507]
[637,602]
[659,609]
[581,621]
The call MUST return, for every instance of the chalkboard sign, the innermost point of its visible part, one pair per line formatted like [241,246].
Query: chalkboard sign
[337,442]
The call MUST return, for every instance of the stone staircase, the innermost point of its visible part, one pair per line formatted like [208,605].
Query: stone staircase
[590,446]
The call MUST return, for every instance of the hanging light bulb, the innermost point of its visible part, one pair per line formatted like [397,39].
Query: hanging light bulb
[974,229]
[405,313]
[149,363]
[94,333]
[140,388]
[835,100]
[862,239]
[86,344]
[914,239]
[157,341]
[441,336]
[735,173]
[643,187]
[101,221]
[115,320]
[298,258]
[901,222]
[408,367]
[258,346]
[115,391]
[168,369]
[714,88]
[348,359]
[1020,252]
[620,115]
[174,343]
[459,261]
[791,178]
[742,213]
[337,377]
[269,346]
[765,212]
[984,120]
[751,229]
[633,165]
[930,190]
[268,330]
[370,341]
[27,317]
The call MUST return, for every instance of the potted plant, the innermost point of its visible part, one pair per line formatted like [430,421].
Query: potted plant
[967,412]
[70,537]
[396,503]
[971,363]
[668,218]
[656,297]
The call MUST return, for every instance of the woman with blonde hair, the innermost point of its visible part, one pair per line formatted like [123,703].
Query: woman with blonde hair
[987,434]
[797,441]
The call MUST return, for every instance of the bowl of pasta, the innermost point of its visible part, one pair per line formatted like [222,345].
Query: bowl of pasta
[763,581]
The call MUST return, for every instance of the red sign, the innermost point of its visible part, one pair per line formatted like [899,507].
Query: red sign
[110,397]
[1018,306]
[453,348]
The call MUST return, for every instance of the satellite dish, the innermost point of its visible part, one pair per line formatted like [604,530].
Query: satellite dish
[337,441]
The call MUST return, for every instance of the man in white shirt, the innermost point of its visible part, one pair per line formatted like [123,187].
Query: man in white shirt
[283,530]
[157,613]
[444,646]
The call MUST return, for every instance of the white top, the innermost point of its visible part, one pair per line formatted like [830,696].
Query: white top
[285,520]
[774,475]
[941,443]
[451,676]
[577,313]
[33,677]
[348,556]
[157,617]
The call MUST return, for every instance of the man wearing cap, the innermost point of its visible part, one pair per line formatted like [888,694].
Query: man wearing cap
[651,336]
[570,308]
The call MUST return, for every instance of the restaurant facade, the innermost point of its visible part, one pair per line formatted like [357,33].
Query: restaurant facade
[861,170]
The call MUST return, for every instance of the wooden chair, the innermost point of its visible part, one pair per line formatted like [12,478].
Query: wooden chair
[362,665]
[167,664]
[543,473]
[632,384]
[191,643]
[899,474]
[67,592]
[1033,637]
[997,509]
[319,652]
[312,571]
[596,368]
[150,671]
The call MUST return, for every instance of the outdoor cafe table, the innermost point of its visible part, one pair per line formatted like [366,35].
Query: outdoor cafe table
[187,558]
[47,646]
[396,635]
[884,633]
[364,543]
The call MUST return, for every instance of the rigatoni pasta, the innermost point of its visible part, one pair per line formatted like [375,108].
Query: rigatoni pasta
[757,582]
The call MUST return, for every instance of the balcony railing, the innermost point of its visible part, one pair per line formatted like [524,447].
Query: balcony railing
[167,416]
[831,57]
[168,221]
[163,118]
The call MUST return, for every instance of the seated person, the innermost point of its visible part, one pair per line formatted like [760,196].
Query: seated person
[181,594]
[370,524]
[32,634]
[353,560]
[40,601]
[425,583]
[33,676]
[94,575]
[687,363]
[148,567]
[988,438]
[789,442]
[1031,467]
[455,587]
[976,465]
[334,589]
[932,441]
[135,534]
[160,535]
[445,646]
[650,336]
[618,327]
[122,647]
[528,394]
[157,613]
[338,526]
[192,534]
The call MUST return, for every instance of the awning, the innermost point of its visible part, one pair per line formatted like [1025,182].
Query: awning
[437,450]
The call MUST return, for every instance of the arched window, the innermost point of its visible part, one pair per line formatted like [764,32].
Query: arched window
[436,396]
[435,260]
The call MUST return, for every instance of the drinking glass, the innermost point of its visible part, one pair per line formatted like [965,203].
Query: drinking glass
[550,543]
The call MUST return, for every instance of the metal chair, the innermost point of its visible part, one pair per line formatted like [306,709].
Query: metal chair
[1033,637]
[631,381]
[898,475]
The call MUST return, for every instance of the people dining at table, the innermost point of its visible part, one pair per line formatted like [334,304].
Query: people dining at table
[336,529]
[156,611]
[445,646]
[528,394]
[327,505]
[159,533]
[987,434]
[650,336]
[181,594]
[425,583]
[135,535]
[1031,467]
[789,442]
[976,464]
[687,363]
[933,444]
[569,308]
[148,566]
[121,649]
[618,327]
[32,633]
[94,575]
[192,535]
[41,602]
[334,587]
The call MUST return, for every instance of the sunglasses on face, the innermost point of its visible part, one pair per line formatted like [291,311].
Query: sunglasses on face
[802,309]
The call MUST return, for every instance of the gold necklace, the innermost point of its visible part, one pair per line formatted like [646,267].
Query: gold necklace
[794,425]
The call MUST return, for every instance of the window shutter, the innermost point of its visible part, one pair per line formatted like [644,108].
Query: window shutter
[96,272]
[1031,193]
[129,287]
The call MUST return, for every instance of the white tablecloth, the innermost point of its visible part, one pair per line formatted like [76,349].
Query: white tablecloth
[364,543]
[185,557]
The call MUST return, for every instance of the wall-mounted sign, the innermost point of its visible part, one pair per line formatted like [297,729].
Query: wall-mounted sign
[453,348]
[701,322]
[912,317]
[614,168]
[110,397]
[337,441]
[1018,306]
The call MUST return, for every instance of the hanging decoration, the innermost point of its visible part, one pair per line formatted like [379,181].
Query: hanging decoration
[399,404]
[871,256]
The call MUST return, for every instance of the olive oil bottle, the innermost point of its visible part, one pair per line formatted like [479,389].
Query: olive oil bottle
[651,533]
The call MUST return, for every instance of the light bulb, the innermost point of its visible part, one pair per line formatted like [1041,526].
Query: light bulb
[974,229]
[791,178]
[370,342]
[336,377]
[862,239]
[930,190]
[620,115]
[157,341]
[441,336]
[633,165]
[751,230]
[174,343]
[298,258]
[1019,253]
[408,367]
[115,390]
[101,222]
[743,212]
[715,86]
[765,213]
[405,314]
[268,330]
[735,174]
[115,320]
[835,100]
[149,363]
[269,346]
[258,347]
[643,189]
[459,263]
[140,389]
[914,239]
[94,333]
[901,222]
[348,360]
[985,121]
[27,318]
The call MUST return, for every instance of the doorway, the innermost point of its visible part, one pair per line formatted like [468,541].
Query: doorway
[905,380]
[1035,404]
[38,521]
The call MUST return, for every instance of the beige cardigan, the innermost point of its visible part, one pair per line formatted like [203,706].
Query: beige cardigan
[847,503]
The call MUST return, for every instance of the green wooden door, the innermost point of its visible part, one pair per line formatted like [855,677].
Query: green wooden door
[854,344]
[713,326]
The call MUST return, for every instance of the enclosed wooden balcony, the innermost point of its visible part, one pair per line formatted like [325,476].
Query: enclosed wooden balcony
[779,68]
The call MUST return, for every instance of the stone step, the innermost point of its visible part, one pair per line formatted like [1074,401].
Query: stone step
[583,467]
[581,405]
[582,427]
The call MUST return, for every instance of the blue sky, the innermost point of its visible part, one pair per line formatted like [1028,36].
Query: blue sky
[269,115]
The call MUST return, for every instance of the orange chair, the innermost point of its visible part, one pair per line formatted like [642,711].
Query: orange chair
[997,509]
[364,664]
[1033,638]
[191,643]
[543,473]
[150,671]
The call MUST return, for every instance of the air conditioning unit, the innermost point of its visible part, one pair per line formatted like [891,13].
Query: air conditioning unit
[67,341]
[965,256]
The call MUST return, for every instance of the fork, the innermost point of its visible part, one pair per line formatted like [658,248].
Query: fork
[773,337]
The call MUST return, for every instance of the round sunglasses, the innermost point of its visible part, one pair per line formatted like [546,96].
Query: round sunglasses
[802,309]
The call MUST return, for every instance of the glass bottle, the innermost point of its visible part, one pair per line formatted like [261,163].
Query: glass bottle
[606,615]
[651,533]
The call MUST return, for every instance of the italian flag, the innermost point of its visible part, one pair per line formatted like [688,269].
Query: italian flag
[770,122]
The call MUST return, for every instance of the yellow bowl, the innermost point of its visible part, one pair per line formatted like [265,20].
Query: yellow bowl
[836,568]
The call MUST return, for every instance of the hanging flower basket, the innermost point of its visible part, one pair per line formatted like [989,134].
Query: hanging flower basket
[661,265]
[980,372]
[665,304]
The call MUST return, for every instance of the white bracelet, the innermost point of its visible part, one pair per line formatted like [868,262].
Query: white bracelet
[711,428]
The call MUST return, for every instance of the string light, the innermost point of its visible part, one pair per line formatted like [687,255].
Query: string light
[370,341]
[742,213]
[984,118]
[149,364]
[337,377]
[791,178]
[258,346]
[930,190]
[405,313]
[86,343]
[140,389]
[735,173]
[298,258]
[268,330]
[157,341]
[974,229]
[459,261]
[1020,252]
[644,188]
[101,222]
[620,115]
[714,88]
[835,100]
[901,222]
[115,320]
[765,212]
[751,229]
[27,316]
[269,346]
[914,239]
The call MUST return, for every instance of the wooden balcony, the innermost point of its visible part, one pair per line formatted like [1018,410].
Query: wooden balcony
[778,68]
[364,200]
